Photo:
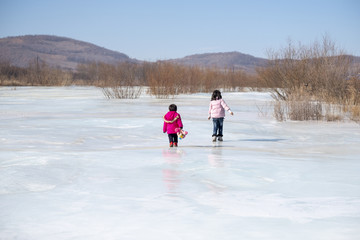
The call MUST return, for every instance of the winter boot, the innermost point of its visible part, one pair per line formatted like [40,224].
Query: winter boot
[214,138]
[220,139]
[171,144]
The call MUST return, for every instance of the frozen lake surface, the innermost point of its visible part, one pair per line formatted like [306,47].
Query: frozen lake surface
[74,165]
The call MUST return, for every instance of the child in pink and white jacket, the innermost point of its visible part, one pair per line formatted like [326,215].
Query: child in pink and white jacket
[172,121]
[217,113]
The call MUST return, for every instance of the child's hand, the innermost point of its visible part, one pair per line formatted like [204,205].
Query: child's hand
[232,113]
[209,118]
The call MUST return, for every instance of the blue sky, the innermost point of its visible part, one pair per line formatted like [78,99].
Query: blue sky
[154,30]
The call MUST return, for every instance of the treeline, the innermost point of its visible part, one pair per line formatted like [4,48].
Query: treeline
[313,82]
[124,80]
[163,79]
[38,73]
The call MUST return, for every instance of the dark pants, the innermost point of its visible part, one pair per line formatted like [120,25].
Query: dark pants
[218,127]
[173,137]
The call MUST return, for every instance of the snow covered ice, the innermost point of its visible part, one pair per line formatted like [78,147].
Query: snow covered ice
[75,165]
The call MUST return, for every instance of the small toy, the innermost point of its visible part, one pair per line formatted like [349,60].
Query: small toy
[181,133]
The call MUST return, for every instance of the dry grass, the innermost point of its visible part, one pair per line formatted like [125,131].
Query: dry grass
[298,106]
[355,113]
[122,92]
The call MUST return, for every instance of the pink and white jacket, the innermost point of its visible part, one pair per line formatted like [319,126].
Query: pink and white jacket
[172,120]
[217,108]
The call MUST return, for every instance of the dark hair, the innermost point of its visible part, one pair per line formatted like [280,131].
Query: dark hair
[172,107]
[216,95]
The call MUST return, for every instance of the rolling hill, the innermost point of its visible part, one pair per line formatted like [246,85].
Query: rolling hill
[235,60]
[56,51]
[67,53]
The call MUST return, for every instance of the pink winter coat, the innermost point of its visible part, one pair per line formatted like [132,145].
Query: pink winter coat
[217,108]
[172,120]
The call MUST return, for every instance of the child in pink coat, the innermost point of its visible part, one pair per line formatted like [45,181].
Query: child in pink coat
[217,113]
[172,121]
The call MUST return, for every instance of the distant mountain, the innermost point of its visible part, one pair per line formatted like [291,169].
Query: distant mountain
[234,60]
[67,53]
[56,51]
